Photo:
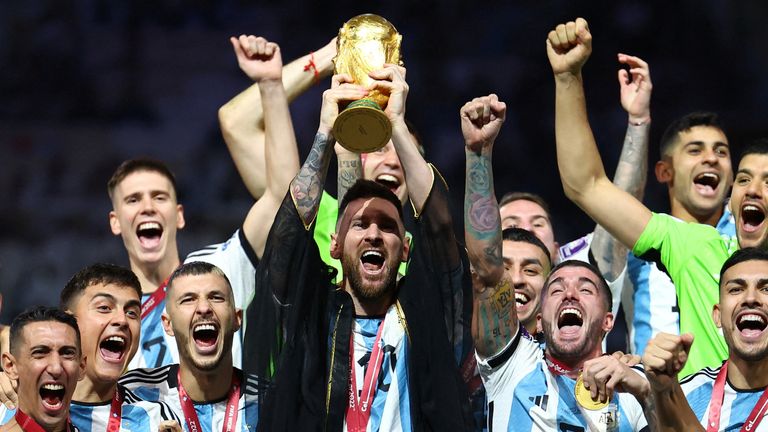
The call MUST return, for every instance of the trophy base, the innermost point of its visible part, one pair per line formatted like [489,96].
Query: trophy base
[362,127]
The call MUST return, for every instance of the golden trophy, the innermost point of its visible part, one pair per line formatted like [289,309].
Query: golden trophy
[365,43]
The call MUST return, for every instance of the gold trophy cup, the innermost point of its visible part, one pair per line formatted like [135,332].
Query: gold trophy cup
[366,42]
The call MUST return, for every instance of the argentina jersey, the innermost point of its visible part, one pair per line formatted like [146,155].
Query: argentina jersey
[523,395]
[238,261]
[390,410]
[650,296]
[136,415]
[6,414]
[737,404]
[161,384]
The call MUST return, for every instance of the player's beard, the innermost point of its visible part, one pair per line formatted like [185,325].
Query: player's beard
[365,290]
[573,352]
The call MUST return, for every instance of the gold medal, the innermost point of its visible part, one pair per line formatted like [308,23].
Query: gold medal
[585,399]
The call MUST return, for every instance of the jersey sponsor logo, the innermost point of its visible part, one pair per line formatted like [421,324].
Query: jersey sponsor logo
[540,401]
[573,248]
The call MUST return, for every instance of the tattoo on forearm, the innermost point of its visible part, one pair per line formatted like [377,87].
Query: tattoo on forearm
[307,186]
[633,162]
[349,172]
[495,319]
[481,211]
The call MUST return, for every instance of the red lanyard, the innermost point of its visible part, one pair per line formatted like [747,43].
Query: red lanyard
[556,367]
[28,424]
[115,412]
[359,412]
[155,299]
[718,394]
[230,415]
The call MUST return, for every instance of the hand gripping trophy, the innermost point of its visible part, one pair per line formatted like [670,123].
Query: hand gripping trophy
[366,42]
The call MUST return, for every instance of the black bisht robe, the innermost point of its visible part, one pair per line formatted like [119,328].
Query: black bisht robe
[289,335]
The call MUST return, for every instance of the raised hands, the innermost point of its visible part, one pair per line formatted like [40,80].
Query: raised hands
[391,81]
[342,89]
[569,46]
[635,88]
[664,358]
[481,120]
[604,375]
[258,58]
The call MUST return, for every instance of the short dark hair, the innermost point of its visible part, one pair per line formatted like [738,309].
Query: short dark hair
[369,189]
[196,268]
[742,255]
[137,165]
[39,314]
[525,236]
[686,123]
[602,284]
[527,196]
[758,146]
[99,273]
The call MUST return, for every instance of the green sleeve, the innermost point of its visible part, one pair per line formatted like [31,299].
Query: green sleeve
[325,225]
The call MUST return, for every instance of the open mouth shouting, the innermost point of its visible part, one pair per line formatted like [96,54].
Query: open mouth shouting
[389,181]
[113,349]
[752,217]
[149,234]
[751,324]
[206,337]
[706,184]
[570,321]
[52,397]
[372,262]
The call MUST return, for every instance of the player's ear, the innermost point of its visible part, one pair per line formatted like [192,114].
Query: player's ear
[167,324]
[716,315]
[9,366]
[336,247]
[539,326]
[114,223]
[180,222]
[663,170]
[238,319]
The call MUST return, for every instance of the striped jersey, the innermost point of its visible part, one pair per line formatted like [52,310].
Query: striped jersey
[238,261]
[737,404]
[390,410]
[524,395]
[137,415]
[161,384]
[650,298]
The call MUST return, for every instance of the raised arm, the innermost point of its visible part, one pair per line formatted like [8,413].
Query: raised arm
[262,58]
[494,318]
[418,174]
[581,169]
[307,186]
[631,171]
[663,359]
[242,118]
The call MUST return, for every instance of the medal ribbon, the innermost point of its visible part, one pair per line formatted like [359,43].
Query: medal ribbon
[359,412]
[230,415]
[556,367]
[155,299]
[115,412]
[28,424]
[718,394]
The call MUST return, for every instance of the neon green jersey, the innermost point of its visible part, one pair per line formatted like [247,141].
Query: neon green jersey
[693,254]
[325,224]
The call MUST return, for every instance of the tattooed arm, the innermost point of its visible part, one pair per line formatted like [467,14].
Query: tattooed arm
[611,255]
[350,170]
[494,318]
[307,186]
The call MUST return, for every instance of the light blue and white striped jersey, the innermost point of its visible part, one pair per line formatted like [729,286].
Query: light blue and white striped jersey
[649,296]
[390,410]
[524,396]
[238,261]
[161,384]
[737,404]
[6,414]
[137,415]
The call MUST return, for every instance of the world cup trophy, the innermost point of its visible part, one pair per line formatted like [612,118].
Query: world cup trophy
[365,43]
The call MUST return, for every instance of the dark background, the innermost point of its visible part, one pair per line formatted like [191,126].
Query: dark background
[87,84]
